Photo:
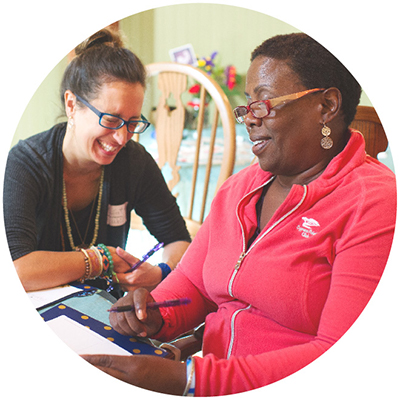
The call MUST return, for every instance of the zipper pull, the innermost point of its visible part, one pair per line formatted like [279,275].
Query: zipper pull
[239,262]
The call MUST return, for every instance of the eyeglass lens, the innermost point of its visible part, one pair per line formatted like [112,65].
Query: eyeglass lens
[113,122]
[259,109]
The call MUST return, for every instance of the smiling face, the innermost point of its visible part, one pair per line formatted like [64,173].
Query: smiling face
[287,141]
[89,143]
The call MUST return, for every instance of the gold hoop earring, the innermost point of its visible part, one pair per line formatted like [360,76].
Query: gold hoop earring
[326,141]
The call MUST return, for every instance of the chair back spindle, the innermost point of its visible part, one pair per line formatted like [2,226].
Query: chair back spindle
[199,155]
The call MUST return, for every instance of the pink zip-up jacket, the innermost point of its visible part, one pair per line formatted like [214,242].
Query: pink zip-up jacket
[273,308]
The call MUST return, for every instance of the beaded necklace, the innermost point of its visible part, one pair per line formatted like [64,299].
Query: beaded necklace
[96,220]
[83,240]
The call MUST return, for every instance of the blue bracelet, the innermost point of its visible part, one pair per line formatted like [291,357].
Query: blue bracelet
[165,270]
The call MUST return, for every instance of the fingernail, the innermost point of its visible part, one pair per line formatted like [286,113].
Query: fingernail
[139,313]
[142,334]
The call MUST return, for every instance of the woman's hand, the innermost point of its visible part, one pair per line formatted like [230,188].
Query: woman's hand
[148,372]
[147,275]
[120,264]
[140,321]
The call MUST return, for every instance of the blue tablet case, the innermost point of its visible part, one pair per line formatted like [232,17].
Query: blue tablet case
[130,344]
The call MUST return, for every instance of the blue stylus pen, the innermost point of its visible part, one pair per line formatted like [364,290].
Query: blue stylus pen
[146,257]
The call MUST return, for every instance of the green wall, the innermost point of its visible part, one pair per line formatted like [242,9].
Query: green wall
[232,31]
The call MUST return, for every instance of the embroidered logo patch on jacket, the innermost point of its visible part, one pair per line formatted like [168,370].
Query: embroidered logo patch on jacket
[307,228]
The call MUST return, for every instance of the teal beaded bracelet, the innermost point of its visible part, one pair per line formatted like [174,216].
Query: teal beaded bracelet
[165,270]
[108,263]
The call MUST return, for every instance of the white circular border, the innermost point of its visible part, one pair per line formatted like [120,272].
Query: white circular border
[37,35]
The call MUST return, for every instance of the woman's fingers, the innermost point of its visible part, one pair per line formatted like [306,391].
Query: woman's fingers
[129,258]
[135,322]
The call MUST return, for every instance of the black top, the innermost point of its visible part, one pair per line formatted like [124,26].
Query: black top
[32,199]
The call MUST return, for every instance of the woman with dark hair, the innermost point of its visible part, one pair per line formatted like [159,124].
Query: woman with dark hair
[293,247]
[69,191]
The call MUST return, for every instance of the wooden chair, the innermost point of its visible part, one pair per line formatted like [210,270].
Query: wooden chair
[174,80]
[368,123]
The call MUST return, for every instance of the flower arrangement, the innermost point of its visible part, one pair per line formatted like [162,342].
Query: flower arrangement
[226,77]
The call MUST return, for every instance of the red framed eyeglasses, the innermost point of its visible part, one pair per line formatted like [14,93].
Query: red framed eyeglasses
[262,108]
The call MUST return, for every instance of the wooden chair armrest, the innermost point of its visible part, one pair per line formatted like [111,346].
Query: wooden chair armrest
[189,343]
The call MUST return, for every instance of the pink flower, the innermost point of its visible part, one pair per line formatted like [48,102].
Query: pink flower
[230,73]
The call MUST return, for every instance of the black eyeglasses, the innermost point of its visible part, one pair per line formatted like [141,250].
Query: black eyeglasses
[262,108]
[113,122]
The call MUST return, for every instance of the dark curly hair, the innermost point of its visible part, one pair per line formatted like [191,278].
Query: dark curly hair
[315,66]
[99,59]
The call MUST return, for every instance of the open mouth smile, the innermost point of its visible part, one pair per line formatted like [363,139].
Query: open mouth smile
[107,147]
[257,142]
[259,145]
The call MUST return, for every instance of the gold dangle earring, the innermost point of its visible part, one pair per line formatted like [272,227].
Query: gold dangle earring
[326,141]
[70,122]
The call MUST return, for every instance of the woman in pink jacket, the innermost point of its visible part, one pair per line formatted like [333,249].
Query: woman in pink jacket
[293,247]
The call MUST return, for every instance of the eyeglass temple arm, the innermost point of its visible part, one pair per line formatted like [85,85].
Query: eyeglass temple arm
[88,105]
[283,99]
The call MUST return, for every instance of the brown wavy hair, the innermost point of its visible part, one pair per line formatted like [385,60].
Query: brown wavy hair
[100,59]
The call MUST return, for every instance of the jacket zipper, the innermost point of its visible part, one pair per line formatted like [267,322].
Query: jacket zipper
[233,329]
[245,253]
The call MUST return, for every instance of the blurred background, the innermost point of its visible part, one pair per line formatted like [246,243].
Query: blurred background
[209,28]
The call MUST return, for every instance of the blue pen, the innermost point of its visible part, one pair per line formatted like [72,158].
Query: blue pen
[146,257]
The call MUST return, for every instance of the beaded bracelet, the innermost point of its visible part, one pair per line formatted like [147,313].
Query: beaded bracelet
[165,270]
[88,266]
[190,378]
[108,262]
